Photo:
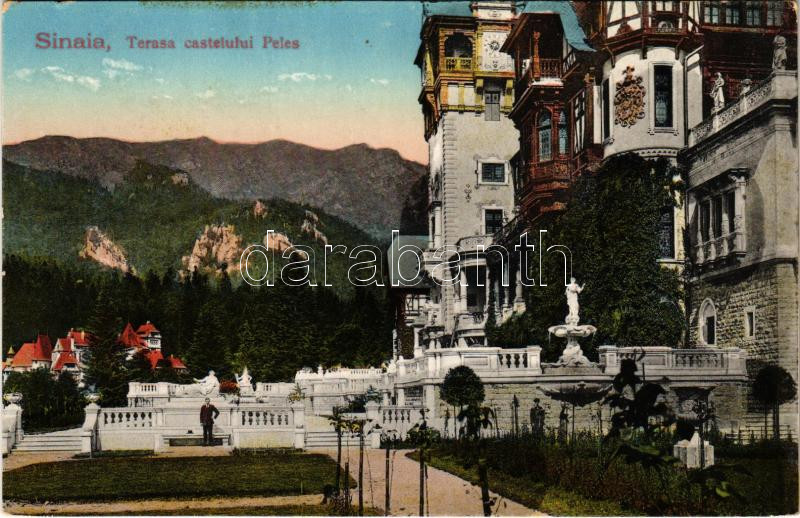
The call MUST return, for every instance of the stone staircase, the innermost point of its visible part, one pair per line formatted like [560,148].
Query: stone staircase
[63,440]
[327,439]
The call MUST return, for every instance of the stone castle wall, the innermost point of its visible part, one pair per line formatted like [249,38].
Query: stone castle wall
[771,291]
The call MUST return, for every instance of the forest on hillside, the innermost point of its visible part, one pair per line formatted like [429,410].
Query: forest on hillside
[205,320]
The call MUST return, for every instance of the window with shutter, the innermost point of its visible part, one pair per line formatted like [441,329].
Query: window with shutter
[492,101]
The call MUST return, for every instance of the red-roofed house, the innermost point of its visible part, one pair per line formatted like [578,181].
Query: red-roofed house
[155,356]
[150,335]
[33,355]
[130,339]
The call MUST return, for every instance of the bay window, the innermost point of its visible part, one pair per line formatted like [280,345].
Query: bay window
[545,138]
[563,134]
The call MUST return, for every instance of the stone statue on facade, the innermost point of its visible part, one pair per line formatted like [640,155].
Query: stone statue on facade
[717,93]
[779,53]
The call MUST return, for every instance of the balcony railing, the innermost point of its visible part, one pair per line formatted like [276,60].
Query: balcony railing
[458,64]
[550,68]
[719,248]
[781,84]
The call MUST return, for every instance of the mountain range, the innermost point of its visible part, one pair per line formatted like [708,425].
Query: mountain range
[374,189]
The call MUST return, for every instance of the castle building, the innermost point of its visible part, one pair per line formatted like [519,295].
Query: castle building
[742,217]
[467,93]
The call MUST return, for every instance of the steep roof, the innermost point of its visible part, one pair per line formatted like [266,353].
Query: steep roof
[65,344]
[81,337]
[129,338]
[64,359]
[155,356]
[569,20]
[147,329]
[176,362]
[446,8]
[40,350]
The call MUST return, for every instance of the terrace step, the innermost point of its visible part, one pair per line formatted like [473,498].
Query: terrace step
[328,440]
[62,440]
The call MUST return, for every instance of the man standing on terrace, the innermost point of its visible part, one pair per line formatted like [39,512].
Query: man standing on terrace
[208,413]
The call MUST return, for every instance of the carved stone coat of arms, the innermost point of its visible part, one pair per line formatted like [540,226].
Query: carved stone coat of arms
[629,99]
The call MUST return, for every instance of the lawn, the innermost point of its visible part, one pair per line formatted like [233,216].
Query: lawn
[129,478]
[770,488]
[551,500]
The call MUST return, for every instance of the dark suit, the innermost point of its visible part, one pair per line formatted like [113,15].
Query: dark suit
[207,415]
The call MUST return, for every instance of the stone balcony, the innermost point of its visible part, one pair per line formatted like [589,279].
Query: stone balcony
[781,85]
[720,248]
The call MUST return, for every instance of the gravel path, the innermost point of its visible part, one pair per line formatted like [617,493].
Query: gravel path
[449,495]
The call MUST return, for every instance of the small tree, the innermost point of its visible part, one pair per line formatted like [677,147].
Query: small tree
[462,387]
[773,387]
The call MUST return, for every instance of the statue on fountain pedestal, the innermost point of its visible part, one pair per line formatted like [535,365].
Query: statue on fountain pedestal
[572,292]
[573,355]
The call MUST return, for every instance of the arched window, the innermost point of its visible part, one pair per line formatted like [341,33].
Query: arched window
[457,46]
[545,137]
[708,323]
[563,134]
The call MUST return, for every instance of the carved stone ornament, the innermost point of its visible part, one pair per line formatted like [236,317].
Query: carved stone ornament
[629,100]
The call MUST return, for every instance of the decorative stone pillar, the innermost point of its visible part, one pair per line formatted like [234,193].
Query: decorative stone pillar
[437,226]
[417,346]
[401,397]
[299,420]
[519,299]
[12,422]
[89,429]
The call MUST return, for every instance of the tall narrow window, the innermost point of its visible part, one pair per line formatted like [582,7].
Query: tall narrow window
[579,121]
[563,134]
[730,205]
[752,13]
[545,136]
[705,220]
[732,13]
[492,100]
[663,95]
[775,12]
[606,110]
[666,233]
[493,220]
[717,216]
[711,12]
[493,172]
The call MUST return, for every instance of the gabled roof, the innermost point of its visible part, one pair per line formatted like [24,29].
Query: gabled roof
[81,338]
[154,356]
[176,362]
[65,359]
[147,329]
[40,350]
[129,338]
[64,344]
[569,20]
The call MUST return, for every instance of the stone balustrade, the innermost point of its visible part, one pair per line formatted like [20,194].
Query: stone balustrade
[780,85]
[125,418]
[665,361]
[486,361]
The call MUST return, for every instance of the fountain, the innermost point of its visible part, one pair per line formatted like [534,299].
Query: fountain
[571,330]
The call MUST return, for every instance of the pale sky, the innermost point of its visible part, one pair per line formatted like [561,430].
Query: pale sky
[351,80]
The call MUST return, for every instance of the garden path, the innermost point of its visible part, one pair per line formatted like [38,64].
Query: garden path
[449,494]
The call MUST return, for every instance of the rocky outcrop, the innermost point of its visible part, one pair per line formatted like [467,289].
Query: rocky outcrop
[309,226]
[99,248]
[217,247]
[259,209]
[277,242]
[180,179]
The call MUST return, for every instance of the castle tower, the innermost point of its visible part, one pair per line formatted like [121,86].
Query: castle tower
[467,93]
